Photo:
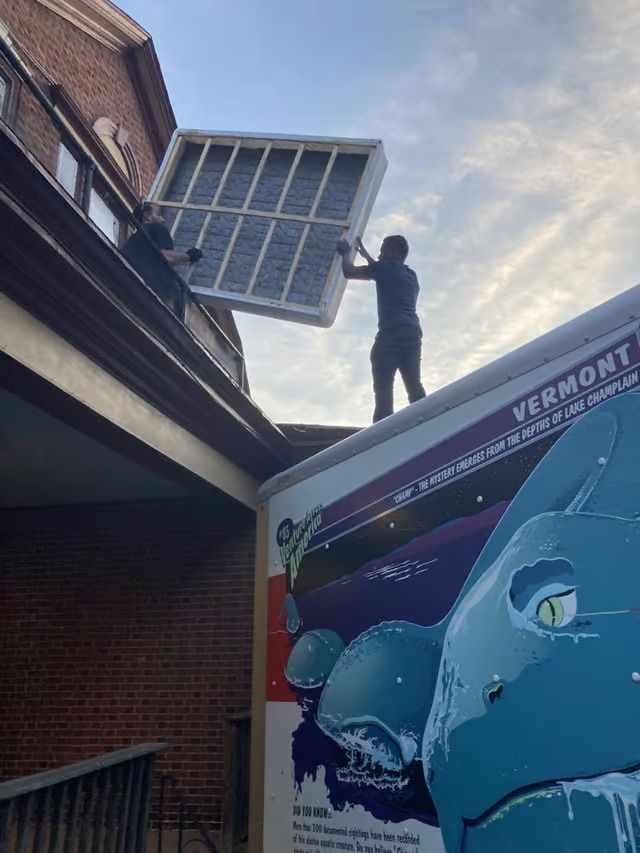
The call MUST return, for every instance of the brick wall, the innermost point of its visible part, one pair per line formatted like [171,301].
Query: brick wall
[95,76]
[36,129]
[123,625]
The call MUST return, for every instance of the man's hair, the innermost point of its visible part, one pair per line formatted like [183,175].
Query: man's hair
[399,245]
[140,209]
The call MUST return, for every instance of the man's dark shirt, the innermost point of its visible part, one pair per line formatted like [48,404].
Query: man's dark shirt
[140,254]
[397,291]
[149,263]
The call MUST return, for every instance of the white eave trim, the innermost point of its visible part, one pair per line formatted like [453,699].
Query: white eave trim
[101,20]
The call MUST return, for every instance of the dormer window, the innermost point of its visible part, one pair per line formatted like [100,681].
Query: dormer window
[116,140]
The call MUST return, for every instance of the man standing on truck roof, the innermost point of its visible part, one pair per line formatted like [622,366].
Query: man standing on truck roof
[141,250]
[398,344]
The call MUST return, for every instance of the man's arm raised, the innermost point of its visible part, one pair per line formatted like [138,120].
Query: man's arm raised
[360,249]
[349,270]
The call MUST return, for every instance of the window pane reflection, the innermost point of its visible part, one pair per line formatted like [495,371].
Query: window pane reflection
[104,217]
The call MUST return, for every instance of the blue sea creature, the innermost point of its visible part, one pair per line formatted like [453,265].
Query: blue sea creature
[532,743]
[574,473]
[312,658]
[375,704]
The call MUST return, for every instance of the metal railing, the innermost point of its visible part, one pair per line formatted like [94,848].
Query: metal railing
[179,826]
[95,806]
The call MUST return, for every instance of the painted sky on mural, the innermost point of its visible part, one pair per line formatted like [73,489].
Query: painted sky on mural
[511,129]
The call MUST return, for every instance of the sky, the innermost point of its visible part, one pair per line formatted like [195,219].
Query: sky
[512,131]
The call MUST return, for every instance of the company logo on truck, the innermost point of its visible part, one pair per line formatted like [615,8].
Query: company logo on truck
[293,540]
[569,385]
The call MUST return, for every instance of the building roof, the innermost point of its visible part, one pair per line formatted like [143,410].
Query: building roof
[59,267]
[309,439]
[110,26]
[102,20]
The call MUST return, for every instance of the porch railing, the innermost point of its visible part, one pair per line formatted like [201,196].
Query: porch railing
[180,828]
[95,806]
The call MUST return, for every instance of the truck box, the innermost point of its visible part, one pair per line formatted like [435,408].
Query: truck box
[447,633]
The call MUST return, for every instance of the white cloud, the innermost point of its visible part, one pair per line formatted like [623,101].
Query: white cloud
[514,171]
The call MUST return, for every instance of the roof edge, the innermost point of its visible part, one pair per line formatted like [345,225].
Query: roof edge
[102,20]
[153,96]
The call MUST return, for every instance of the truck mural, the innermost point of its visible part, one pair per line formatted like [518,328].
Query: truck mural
[452,650]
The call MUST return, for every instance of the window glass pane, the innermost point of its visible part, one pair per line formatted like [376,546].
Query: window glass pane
[104,217]
[67,171]
[4,95]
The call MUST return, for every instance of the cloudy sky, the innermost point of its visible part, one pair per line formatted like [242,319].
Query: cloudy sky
[512,129]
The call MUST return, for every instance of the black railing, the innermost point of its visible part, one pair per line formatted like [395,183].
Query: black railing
[95,806]
[179,827]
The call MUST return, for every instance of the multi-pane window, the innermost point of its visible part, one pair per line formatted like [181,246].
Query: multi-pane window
[68,173]
[268,213]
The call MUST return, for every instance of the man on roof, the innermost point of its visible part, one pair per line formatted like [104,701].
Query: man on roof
[142,249]
[398,344]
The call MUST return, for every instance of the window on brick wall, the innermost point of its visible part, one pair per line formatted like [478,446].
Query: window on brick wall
[67,170]
[106,220]
[69,175]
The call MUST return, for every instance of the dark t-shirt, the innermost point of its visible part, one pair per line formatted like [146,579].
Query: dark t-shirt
[397,291]
[141,255]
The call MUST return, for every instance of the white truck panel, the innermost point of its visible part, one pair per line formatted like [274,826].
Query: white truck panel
[381,553]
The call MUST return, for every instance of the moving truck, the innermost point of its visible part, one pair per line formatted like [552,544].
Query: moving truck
[447,647]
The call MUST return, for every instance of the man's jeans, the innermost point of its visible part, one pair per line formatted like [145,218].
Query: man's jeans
[396,349]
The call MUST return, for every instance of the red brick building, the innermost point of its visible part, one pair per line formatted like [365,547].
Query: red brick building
[131,450]
[101,71]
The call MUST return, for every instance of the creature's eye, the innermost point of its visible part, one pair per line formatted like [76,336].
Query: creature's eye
[558,610]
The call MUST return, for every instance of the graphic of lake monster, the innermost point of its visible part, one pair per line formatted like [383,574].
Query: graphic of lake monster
[523,704]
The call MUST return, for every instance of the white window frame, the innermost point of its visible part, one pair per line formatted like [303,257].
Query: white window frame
[65,158]
[322,314]
[104,217]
